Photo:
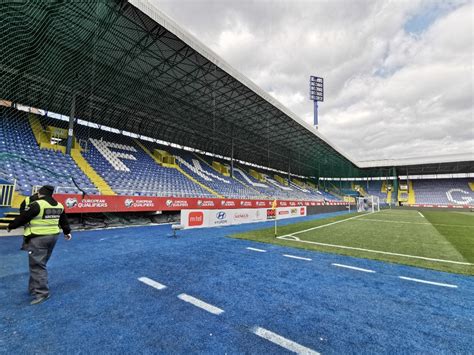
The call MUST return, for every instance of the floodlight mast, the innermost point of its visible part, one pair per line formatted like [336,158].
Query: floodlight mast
[316,93]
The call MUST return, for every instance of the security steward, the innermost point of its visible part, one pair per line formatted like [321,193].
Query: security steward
[43,220]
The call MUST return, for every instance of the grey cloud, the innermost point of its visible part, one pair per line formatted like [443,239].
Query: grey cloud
[389,94]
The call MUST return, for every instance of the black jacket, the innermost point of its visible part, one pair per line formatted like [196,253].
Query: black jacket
[33,198]
[33,210]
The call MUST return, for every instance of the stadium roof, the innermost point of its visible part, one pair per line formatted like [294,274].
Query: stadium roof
[442,164]
[133,68]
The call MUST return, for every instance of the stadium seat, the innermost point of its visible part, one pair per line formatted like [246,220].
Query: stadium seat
[128,168]
[443,191]
[28,163]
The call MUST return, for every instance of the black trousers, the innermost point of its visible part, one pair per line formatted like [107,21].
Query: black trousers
[39,252]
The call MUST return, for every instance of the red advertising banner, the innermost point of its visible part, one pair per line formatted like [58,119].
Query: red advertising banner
[102,203]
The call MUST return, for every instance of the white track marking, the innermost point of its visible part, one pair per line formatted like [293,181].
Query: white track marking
[283,342]
[378,251]
[324,225]
[427,282]
[352,267]
[201,304]
[421,214]
[152,283]
[297,257]
[255,249]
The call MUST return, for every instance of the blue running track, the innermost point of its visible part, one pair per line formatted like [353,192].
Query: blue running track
[99,306]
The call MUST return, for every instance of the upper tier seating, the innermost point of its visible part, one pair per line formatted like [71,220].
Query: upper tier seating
[374,188]
[129,170]
[16,137]
[199,169]
[270,188]
[443,192]
[264,189]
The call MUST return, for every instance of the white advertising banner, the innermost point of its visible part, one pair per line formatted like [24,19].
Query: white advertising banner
[227,217]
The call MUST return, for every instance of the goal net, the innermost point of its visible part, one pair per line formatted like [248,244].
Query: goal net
[368,204]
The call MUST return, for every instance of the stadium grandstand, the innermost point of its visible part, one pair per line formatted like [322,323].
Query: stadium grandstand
[132,118]
[145,109]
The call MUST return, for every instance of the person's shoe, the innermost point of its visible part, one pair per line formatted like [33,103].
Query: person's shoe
[39,299]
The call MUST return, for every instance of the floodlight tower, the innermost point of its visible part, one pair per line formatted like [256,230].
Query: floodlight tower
[316,93]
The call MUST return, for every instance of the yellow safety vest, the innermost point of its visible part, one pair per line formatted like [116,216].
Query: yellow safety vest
[47,220]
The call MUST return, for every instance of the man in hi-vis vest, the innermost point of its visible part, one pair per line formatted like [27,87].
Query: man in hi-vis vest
[43,220]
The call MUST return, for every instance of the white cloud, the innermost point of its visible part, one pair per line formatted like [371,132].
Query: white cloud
[389,93]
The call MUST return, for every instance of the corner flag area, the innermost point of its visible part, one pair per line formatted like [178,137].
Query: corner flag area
[139,290]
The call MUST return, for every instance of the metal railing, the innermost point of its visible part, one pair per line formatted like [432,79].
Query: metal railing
[131,192]
[6,195]
[161,193]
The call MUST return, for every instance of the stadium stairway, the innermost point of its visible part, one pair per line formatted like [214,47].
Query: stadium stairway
[43,142]
[10,212]
[7,218]
[178,168]
[44,139]
[89,171]
[411,193]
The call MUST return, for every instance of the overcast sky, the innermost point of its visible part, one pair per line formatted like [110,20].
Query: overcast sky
[398,74]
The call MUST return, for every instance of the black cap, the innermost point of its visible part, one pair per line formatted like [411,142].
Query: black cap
[46,190]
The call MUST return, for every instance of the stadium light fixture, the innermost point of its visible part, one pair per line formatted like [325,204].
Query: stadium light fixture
[316,94]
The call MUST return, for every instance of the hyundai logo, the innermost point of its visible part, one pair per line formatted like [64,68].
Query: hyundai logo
[220,215]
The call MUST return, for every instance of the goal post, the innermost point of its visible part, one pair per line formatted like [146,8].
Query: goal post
[368,204]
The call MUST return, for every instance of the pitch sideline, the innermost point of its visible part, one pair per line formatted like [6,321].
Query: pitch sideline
[292,238]
[323,226]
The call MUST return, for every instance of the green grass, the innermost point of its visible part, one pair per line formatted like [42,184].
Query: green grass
[434,234]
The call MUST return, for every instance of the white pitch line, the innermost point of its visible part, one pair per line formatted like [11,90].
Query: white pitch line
[282,341]
[201,304]
[297,257]
[352,267]
[324,225]
[255,249]
[428,282]
[421,214]
[405,222]
[389,221]
[378,252]
[152,283]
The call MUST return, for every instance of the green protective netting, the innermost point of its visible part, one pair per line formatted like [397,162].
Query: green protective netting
[6,158]
[113,65]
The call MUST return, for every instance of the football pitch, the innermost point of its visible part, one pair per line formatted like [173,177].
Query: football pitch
[440,240]
[139,290]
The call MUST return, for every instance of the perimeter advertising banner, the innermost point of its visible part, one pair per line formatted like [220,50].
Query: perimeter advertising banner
[225,217]
[440,206]
[101,203]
